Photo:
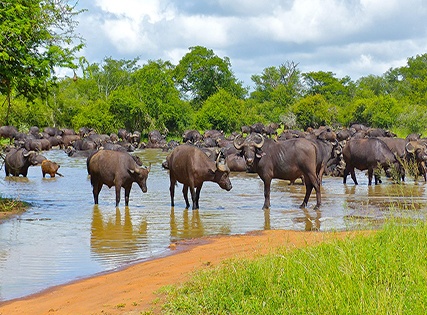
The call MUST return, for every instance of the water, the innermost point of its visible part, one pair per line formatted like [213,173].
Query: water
[64,237]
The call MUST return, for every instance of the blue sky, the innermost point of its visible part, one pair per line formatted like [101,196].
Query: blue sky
[347,37]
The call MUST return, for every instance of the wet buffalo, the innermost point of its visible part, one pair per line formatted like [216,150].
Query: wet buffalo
[192,167]
[288,160]
[17,161]
[50,167]
[115,168]
[369,154]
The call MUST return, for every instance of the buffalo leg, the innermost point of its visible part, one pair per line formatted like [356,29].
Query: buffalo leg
[172,190]
[310,183]
[353,176]
[198,189]
[96,189]
[370,174]
[193,197]
[267,184]
[127,193]
[185,194]
[117,195]
[346,172]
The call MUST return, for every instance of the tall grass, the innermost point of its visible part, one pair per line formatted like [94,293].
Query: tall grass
[385,273]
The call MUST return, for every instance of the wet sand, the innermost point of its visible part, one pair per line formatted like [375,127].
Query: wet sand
[132,290]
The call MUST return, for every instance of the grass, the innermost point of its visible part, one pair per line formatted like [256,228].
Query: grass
[385,273]
[9,207]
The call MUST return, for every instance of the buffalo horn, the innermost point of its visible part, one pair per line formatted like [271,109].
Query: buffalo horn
[221,167]
[259,145]
[28,153]
[410,147]
[237,145]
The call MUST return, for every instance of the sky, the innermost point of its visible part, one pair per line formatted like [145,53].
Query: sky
[352,38]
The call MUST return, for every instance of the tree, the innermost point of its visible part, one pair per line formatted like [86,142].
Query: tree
[35,37]
[221,111]
[334,90]
[278,84]
[313,111]
[111,74]
[201,73]
[153,86]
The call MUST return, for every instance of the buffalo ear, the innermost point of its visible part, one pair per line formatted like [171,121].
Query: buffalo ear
[260,154]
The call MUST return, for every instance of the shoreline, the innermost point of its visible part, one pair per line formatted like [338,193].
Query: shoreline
[132,288]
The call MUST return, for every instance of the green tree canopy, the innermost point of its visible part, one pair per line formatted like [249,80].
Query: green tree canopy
[201,73]
[35,37]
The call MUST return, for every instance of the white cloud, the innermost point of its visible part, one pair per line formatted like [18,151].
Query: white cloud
[347,37]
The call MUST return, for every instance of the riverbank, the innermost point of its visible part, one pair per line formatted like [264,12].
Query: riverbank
[11,207]
[133,290]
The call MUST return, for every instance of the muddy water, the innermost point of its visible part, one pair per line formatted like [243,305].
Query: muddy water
[63,236]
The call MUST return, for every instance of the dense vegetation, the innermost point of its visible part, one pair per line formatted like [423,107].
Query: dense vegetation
[200,92]
[381,274]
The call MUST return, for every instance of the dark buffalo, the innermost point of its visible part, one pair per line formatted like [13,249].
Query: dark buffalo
[191,136]
[115,168]
[17,161]
[50,167]
[271,129]
[8,132]
[288,160]
[369,154]
[191,166]
[327,150]
[416,154]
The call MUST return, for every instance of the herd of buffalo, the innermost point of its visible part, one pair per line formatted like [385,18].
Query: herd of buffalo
[211,156]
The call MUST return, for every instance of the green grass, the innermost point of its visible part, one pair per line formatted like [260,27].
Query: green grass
[385,273]
[12,206]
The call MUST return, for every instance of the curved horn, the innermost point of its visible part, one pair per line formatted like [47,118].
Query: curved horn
[148,168]
[411,148]
[259,145]
[221,167]
[236,144]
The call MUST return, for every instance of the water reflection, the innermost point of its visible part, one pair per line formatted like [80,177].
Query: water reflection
[191,227]
[63,236]
[115,239]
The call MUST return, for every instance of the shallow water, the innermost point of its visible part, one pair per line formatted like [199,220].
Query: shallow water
[64,237]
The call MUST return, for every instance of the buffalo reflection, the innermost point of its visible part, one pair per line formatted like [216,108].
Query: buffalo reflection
[191,227]
[114,239]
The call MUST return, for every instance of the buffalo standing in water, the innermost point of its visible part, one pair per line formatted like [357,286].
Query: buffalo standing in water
[288,159]
[115,168]
[191,166]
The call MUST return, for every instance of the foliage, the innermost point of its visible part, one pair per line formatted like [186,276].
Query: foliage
[221,111]
[201,73]
[378,274]
[35,37]
[313,111]
[201,92]
[95,115]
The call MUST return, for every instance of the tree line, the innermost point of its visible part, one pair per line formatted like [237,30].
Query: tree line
[201,92]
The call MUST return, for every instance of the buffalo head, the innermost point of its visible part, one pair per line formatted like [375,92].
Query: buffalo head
[251,147]
[222,174]
[140,175]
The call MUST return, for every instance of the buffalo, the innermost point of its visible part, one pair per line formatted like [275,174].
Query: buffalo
[192,167]
[369,154]
[17,161]
[50,167]
[115,168]
[288,159]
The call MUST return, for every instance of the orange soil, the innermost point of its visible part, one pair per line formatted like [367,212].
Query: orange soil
[132,290]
